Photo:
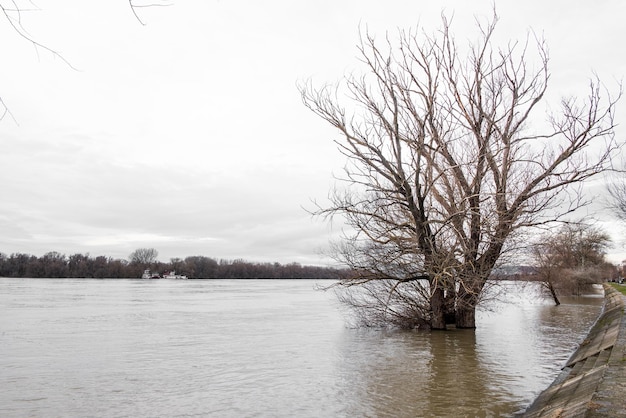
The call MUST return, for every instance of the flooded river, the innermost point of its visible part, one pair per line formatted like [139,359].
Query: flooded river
[264,348]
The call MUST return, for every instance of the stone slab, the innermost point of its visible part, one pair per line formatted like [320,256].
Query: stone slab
[593,383]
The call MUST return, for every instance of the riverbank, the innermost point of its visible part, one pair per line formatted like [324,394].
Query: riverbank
[593,381]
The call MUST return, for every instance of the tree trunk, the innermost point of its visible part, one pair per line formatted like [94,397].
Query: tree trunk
[467,299]
[437,310]
[450,302]
[552,290]
[466,316]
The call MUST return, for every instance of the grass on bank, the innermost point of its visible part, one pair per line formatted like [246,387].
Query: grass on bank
[619,287]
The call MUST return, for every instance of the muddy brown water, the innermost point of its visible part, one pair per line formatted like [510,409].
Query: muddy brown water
[265,348]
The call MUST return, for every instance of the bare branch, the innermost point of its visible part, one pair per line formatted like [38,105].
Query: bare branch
[13,15]
[134,6]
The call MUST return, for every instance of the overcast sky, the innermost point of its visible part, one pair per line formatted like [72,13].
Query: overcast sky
[188,134]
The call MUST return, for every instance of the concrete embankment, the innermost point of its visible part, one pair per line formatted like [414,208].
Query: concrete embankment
[593,381]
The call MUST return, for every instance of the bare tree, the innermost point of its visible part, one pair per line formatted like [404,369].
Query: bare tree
[446,161]
[570,259]
[144,256]
[617,190]
[547,269]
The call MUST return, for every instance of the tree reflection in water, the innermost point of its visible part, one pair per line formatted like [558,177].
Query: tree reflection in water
[517,350]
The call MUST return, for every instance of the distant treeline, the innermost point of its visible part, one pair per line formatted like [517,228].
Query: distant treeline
[56,265]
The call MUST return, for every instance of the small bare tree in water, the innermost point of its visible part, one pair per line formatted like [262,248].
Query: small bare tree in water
[447,162]
[571,259]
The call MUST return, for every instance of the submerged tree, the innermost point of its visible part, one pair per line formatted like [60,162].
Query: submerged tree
[569,260]
[447,162]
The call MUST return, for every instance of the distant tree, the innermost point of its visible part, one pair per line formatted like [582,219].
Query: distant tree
[617,190]
[79,265]
[143,256]
[4,265]
[118,269]
[54,265]
[177,264]
[569,260]
[100,266]
[19,265]
[201,267]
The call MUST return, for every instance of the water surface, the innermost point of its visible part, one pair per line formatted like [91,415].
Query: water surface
[263,348]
